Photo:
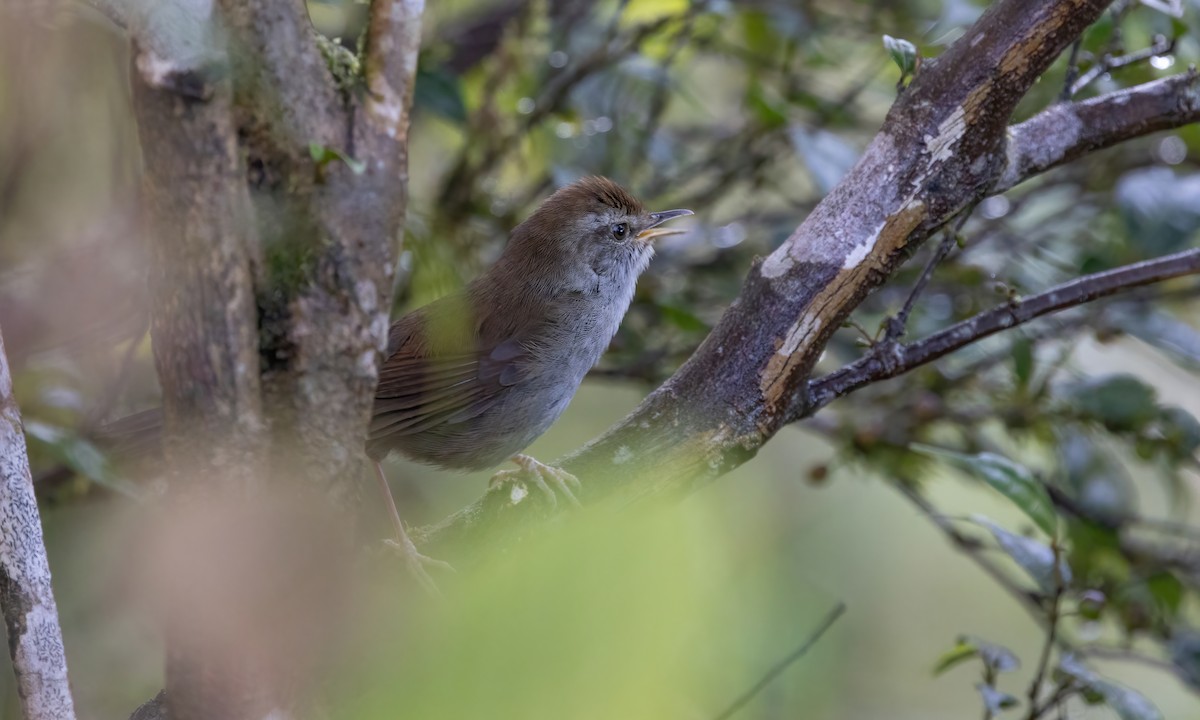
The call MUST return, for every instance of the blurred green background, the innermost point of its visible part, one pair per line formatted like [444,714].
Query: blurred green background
[748,113]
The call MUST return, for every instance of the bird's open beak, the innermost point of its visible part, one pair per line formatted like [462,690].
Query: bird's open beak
[654,231]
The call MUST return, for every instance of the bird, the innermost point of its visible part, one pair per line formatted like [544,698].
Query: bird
[472,379]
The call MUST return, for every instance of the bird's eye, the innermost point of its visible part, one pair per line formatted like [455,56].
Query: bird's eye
[619,230]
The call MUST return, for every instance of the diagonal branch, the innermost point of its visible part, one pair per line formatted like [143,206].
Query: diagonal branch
[35,640]
[871,369]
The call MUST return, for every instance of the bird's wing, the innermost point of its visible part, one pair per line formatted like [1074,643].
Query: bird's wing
[428,382]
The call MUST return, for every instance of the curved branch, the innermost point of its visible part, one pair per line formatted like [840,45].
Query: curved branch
[34,637]
[900,359]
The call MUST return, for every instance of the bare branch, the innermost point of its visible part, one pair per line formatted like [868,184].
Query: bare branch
[871,369]
[782,665]
[35,640]
[393,39]
[1067,131]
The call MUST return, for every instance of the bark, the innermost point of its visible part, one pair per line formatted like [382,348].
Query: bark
[35,641]
[944,146]
[275,200]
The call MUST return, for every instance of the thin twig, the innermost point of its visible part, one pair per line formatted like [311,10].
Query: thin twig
[870,368]
[1162,45]
[968,546]
[1052,618]
[897,323]
[1072,71]
[782,665]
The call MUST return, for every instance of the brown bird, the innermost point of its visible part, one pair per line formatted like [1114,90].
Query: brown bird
[473,378]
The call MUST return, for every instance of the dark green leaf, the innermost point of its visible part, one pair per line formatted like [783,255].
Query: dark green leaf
[1013,481]
[1022,354]
[439,92]
[683,319]
[1122,402]
[767,111]
[1034,557]
[1128,704]
[1167,591]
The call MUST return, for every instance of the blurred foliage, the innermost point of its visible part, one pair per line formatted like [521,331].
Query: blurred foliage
[747,113]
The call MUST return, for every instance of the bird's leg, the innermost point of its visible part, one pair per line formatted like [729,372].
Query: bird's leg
[552,481]
[414,560]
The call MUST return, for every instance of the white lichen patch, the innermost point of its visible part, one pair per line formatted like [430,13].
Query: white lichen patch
[366,363]
[863,250]
[364,293]
[622,455]
[950,131]
[154,69]
[791,342]
[517,492]
[977,39]
[778,262]
[385,103]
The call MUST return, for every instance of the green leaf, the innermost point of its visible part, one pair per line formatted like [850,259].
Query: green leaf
[903,53]
[962,651]
[1022,354]
[1127,703]
[682,319]
[1011,480]
[440,92]
[1034,557]
[322,156]
[1166,590]
[766,110]
[996,657]
[1121,402]
[79,455]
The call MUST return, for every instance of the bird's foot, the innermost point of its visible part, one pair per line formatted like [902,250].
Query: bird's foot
[416,563]
[552,481]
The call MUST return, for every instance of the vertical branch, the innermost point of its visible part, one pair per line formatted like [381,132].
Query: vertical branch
[34,637]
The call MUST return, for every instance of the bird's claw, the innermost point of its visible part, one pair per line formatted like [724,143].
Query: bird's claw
[416,564]
[551,481]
